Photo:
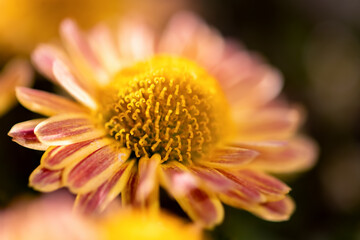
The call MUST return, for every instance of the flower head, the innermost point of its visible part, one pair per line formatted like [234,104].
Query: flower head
[187,110]
[16,73]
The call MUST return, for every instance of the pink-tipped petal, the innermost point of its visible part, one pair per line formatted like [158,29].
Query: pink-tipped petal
[79,46]
[95,169]
[17,72]
[177,179]
[97,200]
[202,207]
[297,155]
[46,103]
[148,182]
[275,211]
[67,129]
[74,85]
[45,180]
[269,123]
[182,184]
[228,157]
[44,57]
[58,157]
[23,134]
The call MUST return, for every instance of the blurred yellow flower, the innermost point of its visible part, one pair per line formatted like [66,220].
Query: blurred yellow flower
[52,217]
[134,225]
[187,110]
[16,73]
[24,23]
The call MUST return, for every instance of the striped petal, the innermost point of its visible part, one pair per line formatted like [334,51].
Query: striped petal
[228,157]
[148,182]
[97,200]
[23,134]
[58,157]
[269,187]
[46,103]
[95,169]
[45,180]
[67,129]
[297,155]
[275,211]
[128,195]
[74,85]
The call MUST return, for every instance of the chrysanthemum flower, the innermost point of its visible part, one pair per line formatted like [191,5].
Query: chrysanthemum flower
[187,110]
[17,72]
[37,20]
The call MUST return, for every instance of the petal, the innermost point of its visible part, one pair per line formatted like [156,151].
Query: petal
[135,41]
[269,123]
[202,208]
[103,44]
[228,157]
[45,180]
[46,103]
[23,134]
[58,157]
[74,85]
[95,169]
[67,129]
[297,155]
[17,72]
[177,179]
[234,194]
[99,199]
[128,194]
[184,187]
[44,57]
[269,187]
[82,53]
[148,182]
[275,211]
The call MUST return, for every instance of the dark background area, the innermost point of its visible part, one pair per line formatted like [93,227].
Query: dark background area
[316,45]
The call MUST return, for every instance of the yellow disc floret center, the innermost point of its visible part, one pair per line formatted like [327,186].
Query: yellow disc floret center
[165,105]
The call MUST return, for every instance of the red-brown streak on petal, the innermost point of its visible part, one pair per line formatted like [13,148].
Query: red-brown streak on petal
[271,188]
[23,134]
[59,156]
[129,192]
[212,179]
[98,200]
[147,177]
[46,103]
[275,211]
[45,180]
[202,207]
[95,169]
[229,157]
[245,188]
[299,154]
[67,129]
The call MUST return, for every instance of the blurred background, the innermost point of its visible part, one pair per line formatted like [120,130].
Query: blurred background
[314,43]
